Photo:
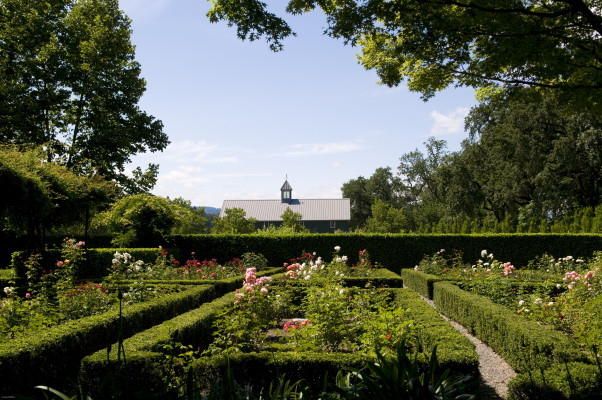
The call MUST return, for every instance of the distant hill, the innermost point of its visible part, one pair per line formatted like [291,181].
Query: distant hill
[212,210]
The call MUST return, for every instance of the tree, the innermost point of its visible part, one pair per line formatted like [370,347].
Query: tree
[140,220]
[234,222]
[292,221]
[362,193]
[69,82]
[528,149]
[438,43]
[188,218]
[44,195]
[385,218]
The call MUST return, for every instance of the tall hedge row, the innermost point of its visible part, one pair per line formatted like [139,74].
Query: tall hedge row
[394,251]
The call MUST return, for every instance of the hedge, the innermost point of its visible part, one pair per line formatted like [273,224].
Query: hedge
[420,282]
[52,355]
[524,344]
[382,277]
[583,381]
[393,251]
[10,243]
[194,328]
[97,264]
[222,286]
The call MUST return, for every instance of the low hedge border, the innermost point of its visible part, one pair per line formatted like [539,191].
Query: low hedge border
[554,383]
[420,282]
[194,328]
[222,286]
[52,356]
[524,344]
[383,278]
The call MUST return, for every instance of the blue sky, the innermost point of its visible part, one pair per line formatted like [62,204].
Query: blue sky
[240,117]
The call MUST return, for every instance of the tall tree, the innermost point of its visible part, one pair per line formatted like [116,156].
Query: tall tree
[438,43]
[528,148]
[362,193]
[69,82]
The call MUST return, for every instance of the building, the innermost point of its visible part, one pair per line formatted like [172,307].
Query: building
[318,215]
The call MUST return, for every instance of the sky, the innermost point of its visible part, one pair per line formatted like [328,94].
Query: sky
[241,118]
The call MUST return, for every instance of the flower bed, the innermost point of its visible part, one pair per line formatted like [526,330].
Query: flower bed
[537,318]
[343,324]
[564,294]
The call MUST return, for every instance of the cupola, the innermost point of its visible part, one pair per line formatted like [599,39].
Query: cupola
[286,192]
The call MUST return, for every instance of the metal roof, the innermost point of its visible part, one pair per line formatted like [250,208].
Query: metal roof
[286,186]
[310,209]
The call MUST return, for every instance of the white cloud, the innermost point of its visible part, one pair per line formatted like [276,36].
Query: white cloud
[182,178]
[450,123]
[298,150]
[337,165]
[199,152]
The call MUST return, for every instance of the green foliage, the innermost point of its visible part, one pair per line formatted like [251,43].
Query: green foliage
[420,282]
[44,195]
[563,381]
[486,44]
[394,251]
[234,222]
[291,221]
[385,218]
[69,82]
[188,219]
[400,377]
[140,220]
[53,355]
[252,260]
[524,344]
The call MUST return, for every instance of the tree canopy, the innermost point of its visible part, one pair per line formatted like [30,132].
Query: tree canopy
[528,158]
[234,221]
[69,82]
[435,44]
[42,195]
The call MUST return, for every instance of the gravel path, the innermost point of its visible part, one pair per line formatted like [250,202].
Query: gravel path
[495,371]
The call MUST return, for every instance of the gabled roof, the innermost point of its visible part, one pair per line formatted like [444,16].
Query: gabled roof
[310,209]
[286,186]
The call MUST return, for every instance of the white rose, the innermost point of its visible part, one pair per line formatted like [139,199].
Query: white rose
[337,248]
[484,253]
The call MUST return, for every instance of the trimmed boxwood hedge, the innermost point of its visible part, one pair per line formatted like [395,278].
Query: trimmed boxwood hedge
[146,374]
[419,282]
[52,356]
[524,344]
[381,278]
[393,251]
[585,383]
[454,350]
[222,286]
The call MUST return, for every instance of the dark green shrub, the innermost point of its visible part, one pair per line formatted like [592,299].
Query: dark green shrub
[393,251]
[559,382]
[53,355]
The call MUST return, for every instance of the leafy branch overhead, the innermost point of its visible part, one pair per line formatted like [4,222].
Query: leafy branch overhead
[435,44]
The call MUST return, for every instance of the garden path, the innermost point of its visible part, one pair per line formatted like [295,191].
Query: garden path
[495,371]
